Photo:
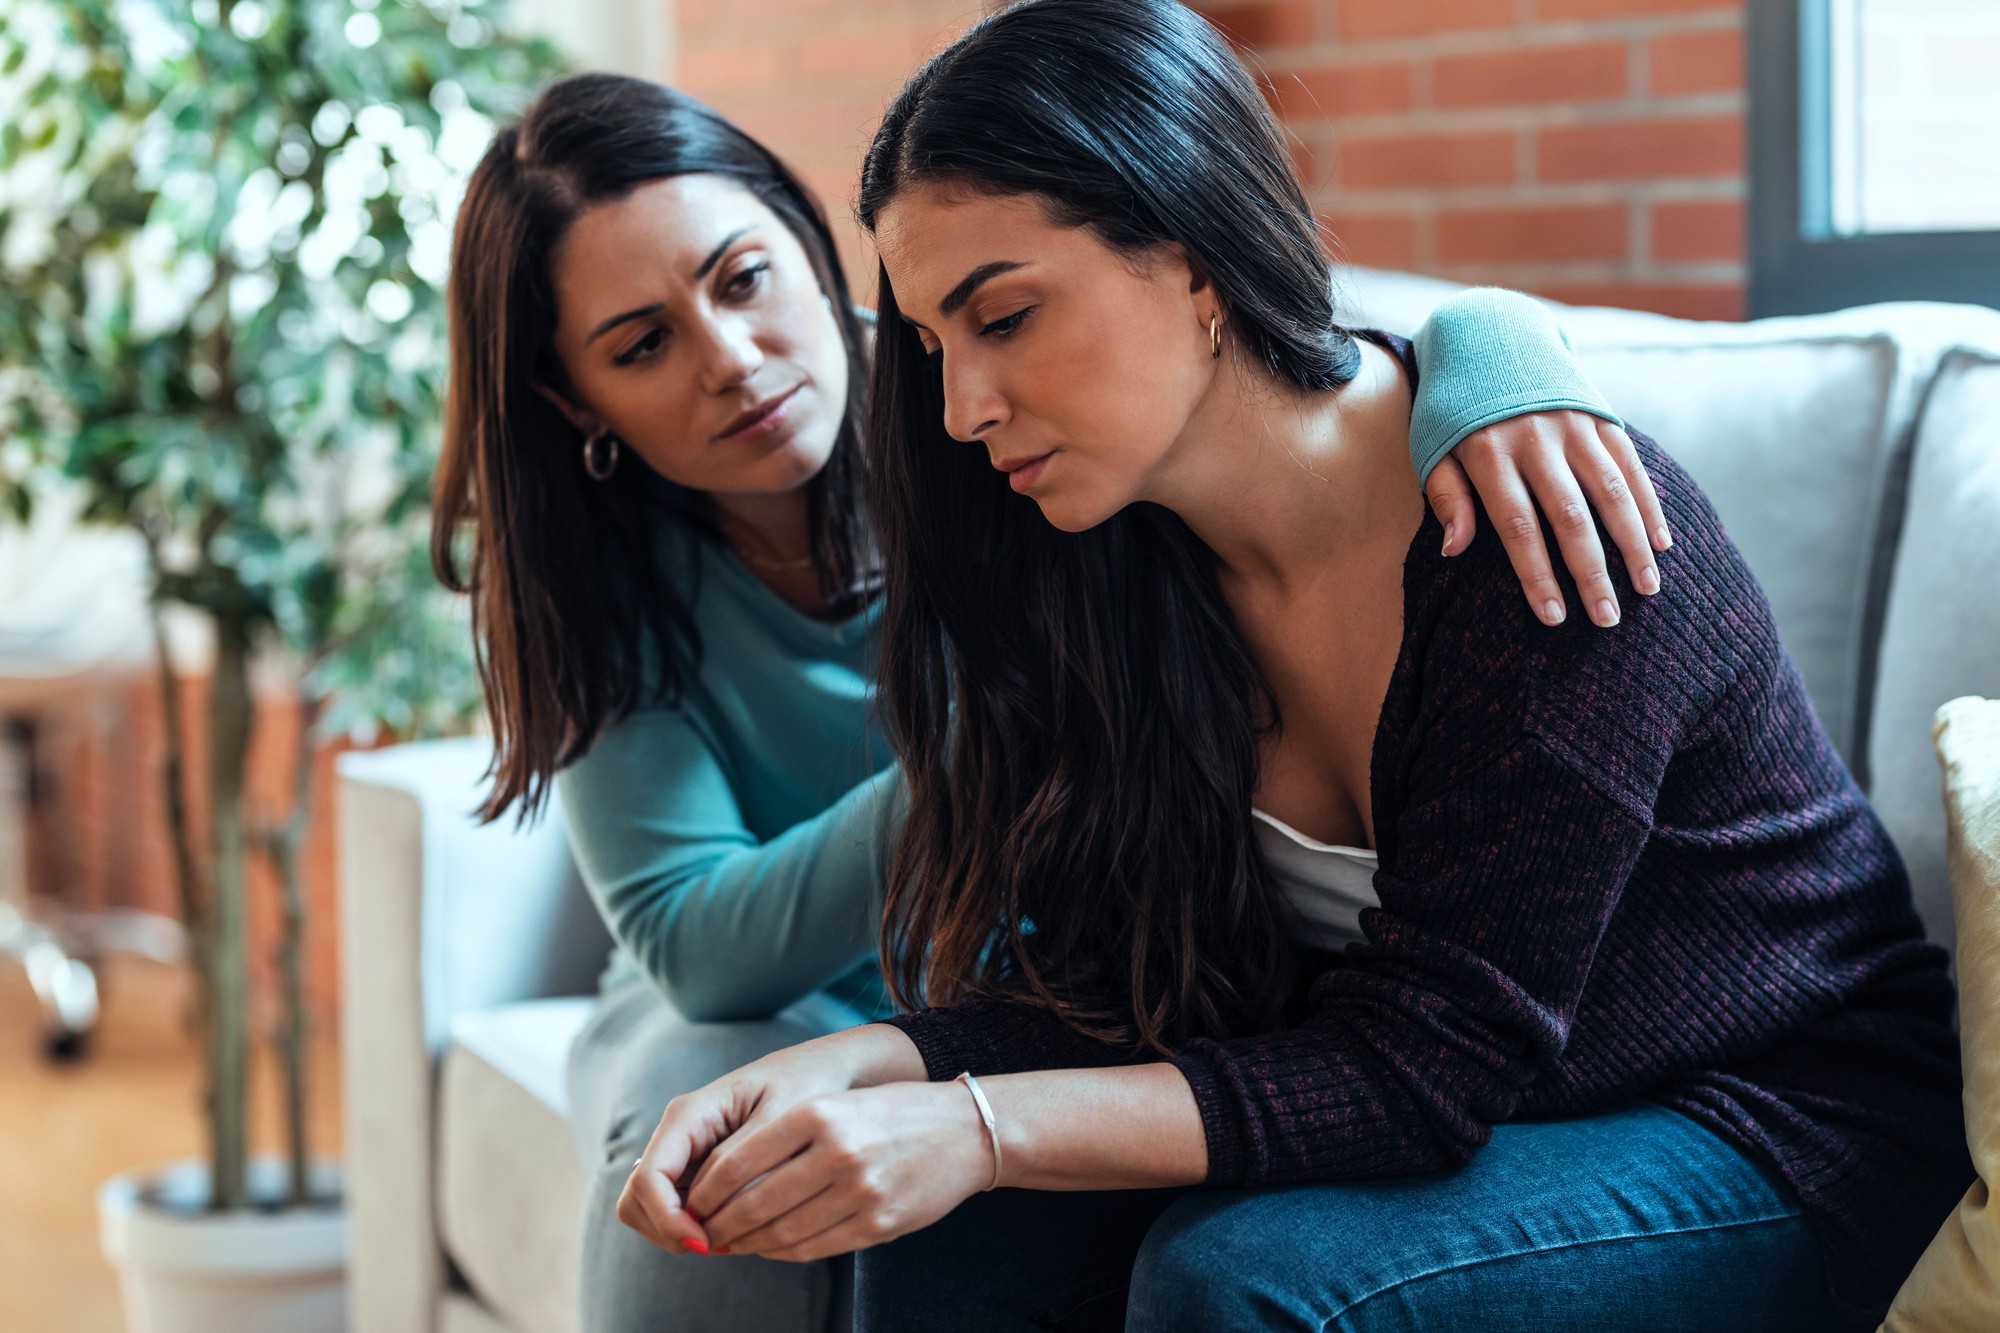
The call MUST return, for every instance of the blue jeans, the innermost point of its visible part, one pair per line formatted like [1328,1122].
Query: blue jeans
[1638,1219]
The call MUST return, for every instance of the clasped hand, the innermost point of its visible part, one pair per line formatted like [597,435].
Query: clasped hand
[786,1158]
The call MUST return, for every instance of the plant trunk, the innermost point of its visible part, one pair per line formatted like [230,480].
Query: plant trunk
[285,845]
[229,715]
[189,888]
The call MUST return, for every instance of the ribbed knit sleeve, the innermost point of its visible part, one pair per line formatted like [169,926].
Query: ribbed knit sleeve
[999,1036]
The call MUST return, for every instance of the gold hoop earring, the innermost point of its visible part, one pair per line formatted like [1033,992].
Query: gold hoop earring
[1215,337]
[600,471]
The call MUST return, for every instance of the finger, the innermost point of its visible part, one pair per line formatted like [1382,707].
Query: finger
[1450,495]
[1511,510]
[1604,483]
[857,1231]
[634,1213]
[800,1208]
[769,1196]
[748,1154]
[666,1223]
[681,1133]
[1559,496]
[1652,513]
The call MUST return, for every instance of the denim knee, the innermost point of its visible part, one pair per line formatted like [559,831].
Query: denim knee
[1199,1271]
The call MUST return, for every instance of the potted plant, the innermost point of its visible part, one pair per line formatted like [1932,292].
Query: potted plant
[224,227]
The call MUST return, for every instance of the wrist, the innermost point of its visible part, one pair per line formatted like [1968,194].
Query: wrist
[885,1054]
[871,1055]
[989,1129]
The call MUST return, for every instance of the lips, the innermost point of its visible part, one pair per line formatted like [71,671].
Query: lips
[765,414]
[1024,471]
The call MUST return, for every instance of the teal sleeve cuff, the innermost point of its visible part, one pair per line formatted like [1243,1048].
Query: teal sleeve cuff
[1487,355]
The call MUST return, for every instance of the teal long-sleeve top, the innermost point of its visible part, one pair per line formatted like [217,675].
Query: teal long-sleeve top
[736,842]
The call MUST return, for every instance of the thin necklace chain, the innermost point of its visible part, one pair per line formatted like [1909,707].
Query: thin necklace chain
[771,566]
[734,533]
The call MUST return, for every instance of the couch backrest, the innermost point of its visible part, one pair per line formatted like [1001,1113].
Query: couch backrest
[458,915]
[1809,434]
[1941,634]
[1792,437]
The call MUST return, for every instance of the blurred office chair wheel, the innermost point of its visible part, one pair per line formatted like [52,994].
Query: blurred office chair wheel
[66,1048]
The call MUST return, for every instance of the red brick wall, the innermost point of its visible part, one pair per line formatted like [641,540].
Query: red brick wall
[99,838]
[1591,150]
[810,78]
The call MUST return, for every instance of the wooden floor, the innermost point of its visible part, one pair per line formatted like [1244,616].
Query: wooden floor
[65,1128]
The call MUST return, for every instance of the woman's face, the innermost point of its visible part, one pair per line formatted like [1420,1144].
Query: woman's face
[1075,367]
[691,326]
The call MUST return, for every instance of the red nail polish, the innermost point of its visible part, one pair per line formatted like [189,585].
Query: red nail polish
[697,1244]
[722,1249]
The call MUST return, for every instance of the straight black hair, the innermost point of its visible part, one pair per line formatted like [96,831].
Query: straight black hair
[574,620]
[1077,715]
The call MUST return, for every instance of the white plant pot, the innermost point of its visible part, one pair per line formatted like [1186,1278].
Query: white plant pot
[265,1269]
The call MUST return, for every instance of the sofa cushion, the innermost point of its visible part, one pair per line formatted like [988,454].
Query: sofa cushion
[1956,1284]
[1941,636]
[1790,435]
[509,1188]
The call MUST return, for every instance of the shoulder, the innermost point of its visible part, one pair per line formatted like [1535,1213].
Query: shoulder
[1479,651]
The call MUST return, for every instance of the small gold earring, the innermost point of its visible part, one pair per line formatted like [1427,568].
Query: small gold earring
[1215,337]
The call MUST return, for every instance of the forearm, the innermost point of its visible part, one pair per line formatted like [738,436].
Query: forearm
[729,931]
[872,1054]
[1097,1129]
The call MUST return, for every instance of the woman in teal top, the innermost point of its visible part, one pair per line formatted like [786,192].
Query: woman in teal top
[650,489]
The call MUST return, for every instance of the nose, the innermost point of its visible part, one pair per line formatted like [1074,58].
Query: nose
[973,407]
[731,354]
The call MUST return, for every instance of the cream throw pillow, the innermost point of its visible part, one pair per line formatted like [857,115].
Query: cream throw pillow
[1956,1285]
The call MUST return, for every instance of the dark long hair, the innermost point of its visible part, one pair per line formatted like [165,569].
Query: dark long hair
[1077,715]
[574,618]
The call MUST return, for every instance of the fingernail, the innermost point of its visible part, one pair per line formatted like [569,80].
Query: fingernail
[1649,580]
[1607,614]
[1552,612]
[722,1249]
[1450,531]
[1663,539]
[697,1244]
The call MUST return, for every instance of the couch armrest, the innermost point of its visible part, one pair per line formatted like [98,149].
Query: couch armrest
[439,915]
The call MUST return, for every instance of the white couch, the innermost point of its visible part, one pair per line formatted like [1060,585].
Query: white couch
[1855,458]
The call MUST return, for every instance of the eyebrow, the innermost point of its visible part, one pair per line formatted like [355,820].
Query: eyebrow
[955,299]
[707,266]
[715,255]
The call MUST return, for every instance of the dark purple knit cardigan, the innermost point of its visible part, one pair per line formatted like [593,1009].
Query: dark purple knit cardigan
[1615,864]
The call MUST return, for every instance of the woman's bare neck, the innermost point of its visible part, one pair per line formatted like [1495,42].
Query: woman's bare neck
[1281,483]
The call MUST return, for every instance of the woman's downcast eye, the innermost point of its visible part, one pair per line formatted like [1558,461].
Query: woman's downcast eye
[651,341]
[738,286]
[1005,325]
[747,279]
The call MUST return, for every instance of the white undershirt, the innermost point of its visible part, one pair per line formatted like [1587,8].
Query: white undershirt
[1327,886]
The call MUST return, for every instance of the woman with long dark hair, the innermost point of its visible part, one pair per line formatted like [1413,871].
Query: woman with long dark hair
[651,488]
[1487,975]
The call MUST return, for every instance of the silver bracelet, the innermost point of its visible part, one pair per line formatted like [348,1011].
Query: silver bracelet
[986,1118]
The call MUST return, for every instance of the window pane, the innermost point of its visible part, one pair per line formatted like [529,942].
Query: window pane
[1914,130]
